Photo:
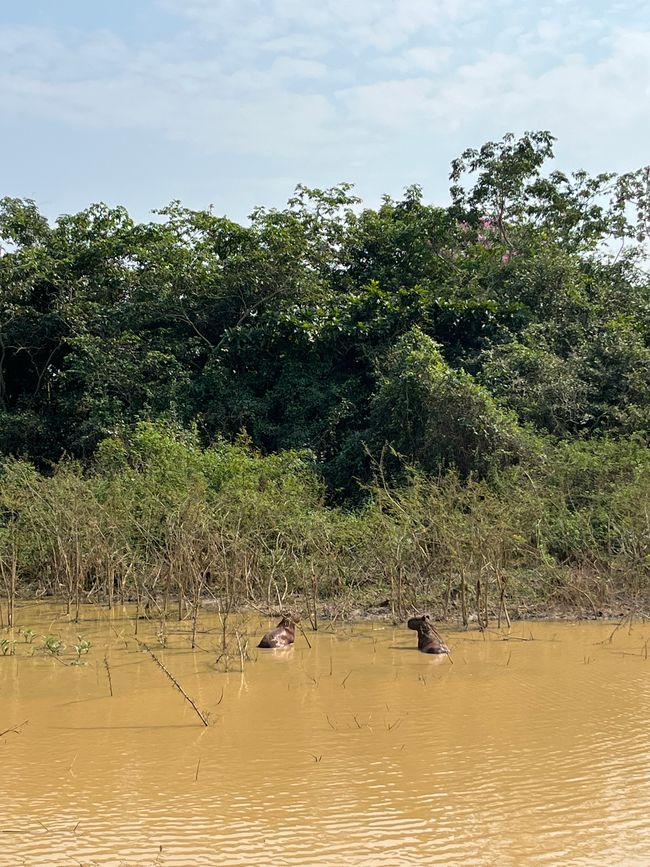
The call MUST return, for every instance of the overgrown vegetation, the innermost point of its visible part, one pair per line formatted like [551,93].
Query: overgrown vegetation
[164,522]
[414,403]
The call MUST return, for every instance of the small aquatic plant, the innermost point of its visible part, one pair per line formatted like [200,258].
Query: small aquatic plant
[7,647]
[81,649]
[53,644]
[27,634]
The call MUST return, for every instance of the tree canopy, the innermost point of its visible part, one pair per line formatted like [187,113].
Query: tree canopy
[454,335]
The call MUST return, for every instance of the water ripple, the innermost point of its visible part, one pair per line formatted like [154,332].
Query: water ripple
[532,752]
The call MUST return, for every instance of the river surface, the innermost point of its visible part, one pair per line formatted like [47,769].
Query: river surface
[528,747]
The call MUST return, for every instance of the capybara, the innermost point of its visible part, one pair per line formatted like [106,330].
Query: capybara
[429,639]
[283,635]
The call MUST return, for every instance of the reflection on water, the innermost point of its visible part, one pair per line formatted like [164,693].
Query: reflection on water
[358,751]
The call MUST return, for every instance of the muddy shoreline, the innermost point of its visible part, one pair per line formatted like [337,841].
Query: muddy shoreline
[346,610]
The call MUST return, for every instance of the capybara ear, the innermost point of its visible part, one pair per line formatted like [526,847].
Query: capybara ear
[427,618]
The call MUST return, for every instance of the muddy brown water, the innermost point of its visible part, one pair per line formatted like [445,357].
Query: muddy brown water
[358,751]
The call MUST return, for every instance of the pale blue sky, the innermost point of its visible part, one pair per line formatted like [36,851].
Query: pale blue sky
[233,102]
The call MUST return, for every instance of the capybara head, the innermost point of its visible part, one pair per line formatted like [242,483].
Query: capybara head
[287,622]
[429,639]
[420,624]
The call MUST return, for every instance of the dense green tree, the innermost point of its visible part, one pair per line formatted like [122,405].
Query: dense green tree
[334,329]
[439,417]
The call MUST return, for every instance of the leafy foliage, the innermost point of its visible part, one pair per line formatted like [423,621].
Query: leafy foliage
[454,336]
[439,417]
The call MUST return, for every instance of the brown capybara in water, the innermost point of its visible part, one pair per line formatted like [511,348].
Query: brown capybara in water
[283,635]
[429,639]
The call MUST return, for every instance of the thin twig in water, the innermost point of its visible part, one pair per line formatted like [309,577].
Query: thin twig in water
[305,636]
[345,678]
[108,672]
[14,729]
[120,637]
[196,775]
[615,630]
[175,682]
[241,649]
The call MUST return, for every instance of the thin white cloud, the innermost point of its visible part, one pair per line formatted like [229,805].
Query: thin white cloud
[294,69]
[576,99]
[366,24]
[341,84]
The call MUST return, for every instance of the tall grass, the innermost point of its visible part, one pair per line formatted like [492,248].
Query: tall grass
[167,524]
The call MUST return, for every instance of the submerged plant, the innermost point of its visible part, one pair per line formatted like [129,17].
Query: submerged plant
[27,634]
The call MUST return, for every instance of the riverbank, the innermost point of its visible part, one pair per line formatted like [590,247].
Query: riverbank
[346,609]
